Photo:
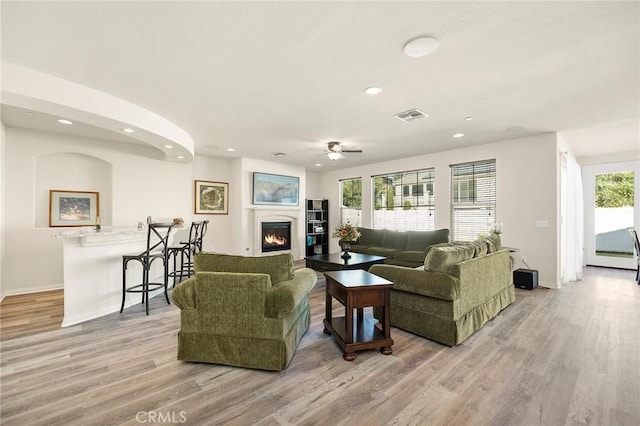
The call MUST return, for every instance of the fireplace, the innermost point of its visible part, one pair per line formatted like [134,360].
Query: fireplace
[276,236]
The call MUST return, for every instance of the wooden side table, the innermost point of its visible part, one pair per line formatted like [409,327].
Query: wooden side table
[357,289]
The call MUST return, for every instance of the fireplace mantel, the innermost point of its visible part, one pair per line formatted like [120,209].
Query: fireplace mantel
[275,214]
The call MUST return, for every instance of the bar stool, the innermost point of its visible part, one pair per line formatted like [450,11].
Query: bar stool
[186,250]
[157,238]
[203,231]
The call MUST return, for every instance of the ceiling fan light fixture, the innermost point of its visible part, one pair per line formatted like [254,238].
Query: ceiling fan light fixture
[420,46]
[333,155]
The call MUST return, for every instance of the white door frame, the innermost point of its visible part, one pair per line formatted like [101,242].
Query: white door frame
[589,179]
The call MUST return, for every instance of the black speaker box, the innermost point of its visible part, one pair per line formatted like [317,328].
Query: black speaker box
[525,278]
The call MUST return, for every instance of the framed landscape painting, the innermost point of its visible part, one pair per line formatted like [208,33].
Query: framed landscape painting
[211,197]
[275,189]
[73,208]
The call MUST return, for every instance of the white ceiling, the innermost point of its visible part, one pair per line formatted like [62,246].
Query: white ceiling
[267,77]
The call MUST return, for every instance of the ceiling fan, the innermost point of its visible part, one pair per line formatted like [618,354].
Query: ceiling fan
[335,151]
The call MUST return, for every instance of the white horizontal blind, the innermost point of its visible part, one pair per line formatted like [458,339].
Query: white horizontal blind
[404,201]
[473,199]
[351,201]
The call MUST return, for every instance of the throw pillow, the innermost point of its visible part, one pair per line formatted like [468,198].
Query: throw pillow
[494,243]
[480,246]
[441,257]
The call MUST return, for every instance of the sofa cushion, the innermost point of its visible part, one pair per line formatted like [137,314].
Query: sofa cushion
[441,257]
[389,253]
[279,267]
[494,243]
[370,237]
[421,240]
[480,247]
[394,239]
[409,256]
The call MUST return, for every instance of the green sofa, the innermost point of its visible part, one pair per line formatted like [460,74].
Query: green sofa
[404,248]
[459,288]
[243,311]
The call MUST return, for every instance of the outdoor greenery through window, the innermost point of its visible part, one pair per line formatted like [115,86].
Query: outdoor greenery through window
[614,214]
[404,201]
[351,208]
[473,199]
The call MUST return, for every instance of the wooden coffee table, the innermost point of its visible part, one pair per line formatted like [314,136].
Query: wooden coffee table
[357,289]
[334,261]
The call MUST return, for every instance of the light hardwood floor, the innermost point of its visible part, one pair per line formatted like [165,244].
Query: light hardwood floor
[554,357]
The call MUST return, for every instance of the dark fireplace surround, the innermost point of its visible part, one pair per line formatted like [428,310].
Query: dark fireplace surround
[276,236]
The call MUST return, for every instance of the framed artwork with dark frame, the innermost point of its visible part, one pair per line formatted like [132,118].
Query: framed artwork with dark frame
[73,208]
[275,189]
[211,197]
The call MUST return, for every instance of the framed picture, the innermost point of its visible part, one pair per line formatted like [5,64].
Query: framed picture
[275,189]
[211,197]
[73,208]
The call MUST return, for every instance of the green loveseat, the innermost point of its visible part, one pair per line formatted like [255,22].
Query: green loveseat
[458,290]
[404,248]
[243,311]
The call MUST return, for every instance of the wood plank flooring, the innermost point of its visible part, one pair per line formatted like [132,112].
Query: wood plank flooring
[32,313]
[554,357]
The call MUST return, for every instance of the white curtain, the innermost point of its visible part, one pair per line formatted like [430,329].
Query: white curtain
[574,226]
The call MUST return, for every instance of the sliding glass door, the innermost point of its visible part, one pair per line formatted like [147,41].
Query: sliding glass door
[611,195]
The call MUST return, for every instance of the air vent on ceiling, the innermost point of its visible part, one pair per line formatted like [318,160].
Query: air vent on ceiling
[412,114]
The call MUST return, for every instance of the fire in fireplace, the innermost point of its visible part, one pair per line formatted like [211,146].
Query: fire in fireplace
[276,236]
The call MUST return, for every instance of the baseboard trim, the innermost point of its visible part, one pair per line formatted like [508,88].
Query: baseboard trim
[30,290]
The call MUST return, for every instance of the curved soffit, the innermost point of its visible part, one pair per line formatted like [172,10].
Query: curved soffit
[36,91]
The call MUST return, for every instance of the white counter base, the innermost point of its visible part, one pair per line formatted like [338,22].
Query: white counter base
[93,274]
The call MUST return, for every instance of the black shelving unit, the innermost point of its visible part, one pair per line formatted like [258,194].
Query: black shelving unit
[317,227]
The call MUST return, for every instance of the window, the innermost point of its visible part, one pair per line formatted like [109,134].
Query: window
[473,199]
[351,206]
[404,201]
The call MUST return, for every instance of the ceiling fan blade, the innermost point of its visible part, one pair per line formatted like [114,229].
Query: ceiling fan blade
[351,150]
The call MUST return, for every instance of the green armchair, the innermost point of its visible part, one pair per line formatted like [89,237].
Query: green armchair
[243,311]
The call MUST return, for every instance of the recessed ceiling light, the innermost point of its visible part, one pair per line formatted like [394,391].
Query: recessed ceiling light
[420,46]
[127,130]
[468,118]
[168,146]
[180,157]
[458,135]
[63,121]
[318,165]
[372,90]
[230,150]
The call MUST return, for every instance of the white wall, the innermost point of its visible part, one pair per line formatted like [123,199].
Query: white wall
[244,168]
[527,191]
[141,185]
[2,203]
[136,187]
[220,231]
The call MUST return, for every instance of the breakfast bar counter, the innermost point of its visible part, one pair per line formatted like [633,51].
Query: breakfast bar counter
[93,271]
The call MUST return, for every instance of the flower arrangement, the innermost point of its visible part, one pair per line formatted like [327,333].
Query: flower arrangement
[496,228]
[346,232]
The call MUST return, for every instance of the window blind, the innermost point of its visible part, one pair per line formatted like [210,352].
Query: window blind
[473,199]
[404,201]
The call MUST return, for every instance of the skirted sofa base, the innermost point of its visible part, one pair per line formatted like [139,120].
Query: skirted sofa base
[419,319]
[265,354]
[455,293]
[243,311]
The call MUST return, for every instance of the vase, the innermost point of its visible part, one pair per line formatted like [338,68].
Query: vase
[346,246]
